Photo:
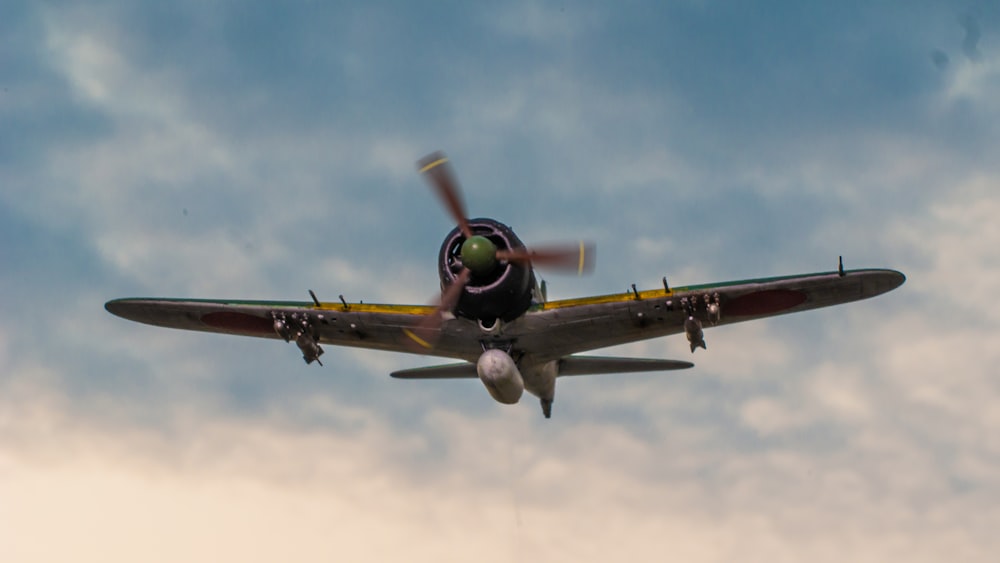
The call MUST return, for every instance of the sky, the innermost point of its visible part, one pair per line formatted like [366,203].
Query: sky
[256,150]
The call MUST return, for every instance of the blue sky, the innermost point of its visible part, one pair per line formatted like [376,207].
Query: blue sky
[238,149]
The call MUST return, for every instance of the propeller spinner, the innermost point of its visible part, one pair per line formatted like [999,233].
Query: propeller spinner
[479,255]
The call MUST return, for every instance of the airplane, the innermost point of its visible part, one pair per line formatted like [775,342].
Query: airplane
[494,316]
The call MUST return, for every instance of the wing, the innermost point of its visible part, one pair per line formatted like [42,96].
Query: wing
[558,329]
[360,325]
[550,331]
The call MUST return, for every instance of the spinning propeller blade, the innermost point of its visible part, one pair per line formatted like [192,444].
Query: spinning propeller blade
[439,175]
[450,296]
[426,333]
[578,257]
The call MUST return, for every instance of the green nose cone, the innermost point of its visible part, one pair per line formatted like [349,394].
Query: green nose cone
[479,255]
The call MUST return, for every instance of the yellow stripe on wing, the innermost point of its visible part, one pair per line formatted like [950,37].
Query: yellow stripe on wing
[378,308]
[604,299]
[416,338]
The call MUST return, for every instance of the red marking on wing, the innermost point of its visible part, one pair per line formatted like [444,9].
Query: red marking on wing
[238,322]
[766,302]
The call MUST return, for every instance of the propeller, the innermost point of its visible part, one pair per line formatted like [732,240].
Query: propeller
[578,257]
[479,255]
[438,172]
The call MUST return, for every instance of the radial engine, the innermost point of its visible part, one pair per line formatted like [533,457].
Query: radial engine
[497,289]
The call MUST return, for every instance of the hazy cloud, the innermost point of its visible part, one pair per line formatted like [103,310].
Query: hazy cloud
[970,43]
[696,141]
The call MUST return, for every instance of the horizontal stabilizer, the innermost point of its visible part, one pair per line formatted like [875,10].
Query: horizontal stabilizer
[594,365]
[570,365]
[450,371]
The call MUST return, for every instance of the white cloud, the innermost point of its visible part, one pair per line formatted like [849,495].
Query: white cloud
[962,266]
[505,486]
[975,82]
[768,416]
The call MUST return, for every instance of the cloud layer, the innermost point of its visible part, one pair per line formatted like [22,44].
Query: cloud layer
[244,151]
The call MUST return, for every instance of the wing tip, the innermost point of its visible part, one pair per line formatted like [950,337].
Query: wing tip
[877,282]
[117,307]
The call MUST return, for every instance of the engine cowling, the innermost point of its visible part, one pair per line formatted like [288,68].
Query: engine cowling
[502,293]
[500,375]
